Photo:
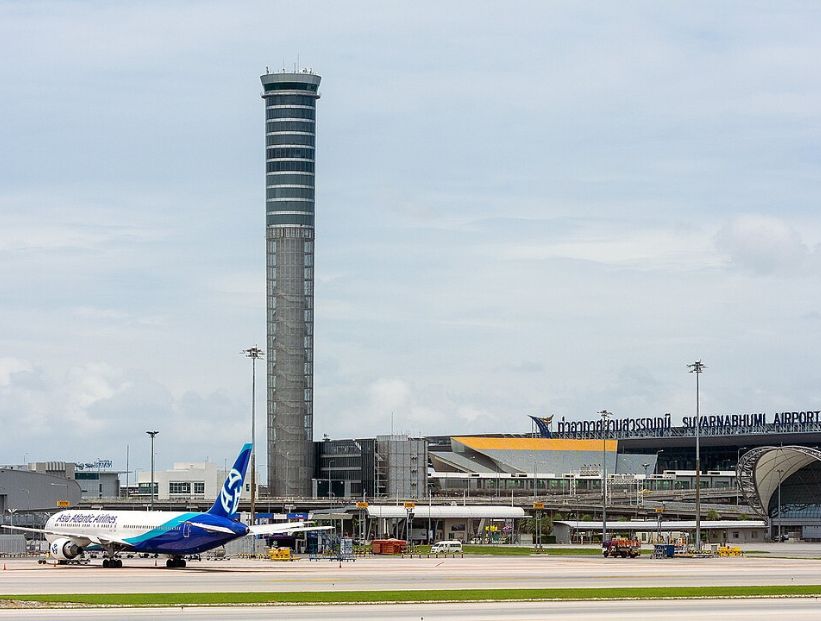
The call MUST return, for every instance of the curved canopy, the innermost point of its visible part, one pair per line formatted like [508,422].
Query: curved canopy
[447,511]
[761,469]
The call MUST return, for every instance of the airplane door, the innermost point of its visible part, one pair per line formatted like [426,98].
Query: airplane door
[186,529]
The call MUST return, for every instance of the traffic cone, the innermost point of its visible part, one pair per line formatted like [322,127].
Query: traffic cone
[4,567]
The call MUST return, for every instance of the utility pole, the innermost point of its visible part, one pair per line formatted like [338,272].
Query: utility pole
[737,482]
[604,426]
[780,472]
[644,483]
[697,367]
[254,353]
[152,434]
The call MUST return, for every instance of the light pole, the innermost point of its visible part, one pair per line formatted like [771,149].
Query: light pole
[534,481]
[604,416]
[330,489]
[780,472]
[61,485]
[153,435]
[430,503]
[644,483]
[254,353]
[697,367]
[737,482]
[28,492]
[287,472]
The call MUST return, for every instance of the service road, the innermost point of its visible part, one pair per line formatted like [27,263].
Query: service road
[366,574]
[727,610]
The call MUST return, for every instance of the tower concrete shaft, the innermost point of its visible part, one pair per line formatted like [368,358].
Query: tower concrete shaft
[290,133]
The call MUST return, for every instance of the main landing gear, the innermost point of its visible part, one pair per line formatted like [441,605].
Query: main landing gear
[113,563]
[175,562]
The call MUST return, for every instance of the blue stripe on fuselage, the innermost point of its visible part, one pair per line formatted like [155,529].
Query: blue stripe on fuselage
[178,536]
[163,529]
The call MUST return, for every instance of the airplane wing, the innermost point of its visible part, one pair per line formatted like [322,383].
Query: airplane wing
[105,540]
[81,538]
[46,531]
[25,529]
[285,528]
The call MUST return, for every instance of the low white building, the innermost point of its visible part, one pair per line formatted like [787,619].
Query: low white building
[195,480]
[664,531]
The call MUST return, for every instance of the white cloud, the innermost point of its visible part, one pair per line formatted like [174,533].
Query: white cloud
[763,245]
[389,394]
[11,366]
[541,185]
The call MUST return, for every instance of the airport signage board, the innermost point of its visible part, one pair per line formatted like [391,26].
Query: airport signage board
[538,505]
[361,505]
[804,420]
[63,504]
[97,465]
[410,505]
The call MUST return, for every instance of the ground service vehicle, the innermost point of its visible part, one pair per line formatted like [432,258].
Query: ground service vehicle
[448,547]
[621,546]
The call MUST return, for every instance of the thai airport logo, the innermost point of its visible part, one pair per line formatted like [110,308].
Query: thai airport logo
[229,497]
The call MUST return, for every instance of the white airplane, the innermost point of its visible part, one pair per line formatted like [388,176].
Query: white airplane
[171,533]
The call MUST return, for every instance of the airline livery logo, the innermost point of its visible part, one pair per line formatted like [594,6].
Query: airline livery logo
[231,490]
[54,548]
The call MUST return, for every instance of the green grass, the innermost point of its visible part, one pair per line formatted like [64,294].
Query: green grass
[325,597]
[491,550]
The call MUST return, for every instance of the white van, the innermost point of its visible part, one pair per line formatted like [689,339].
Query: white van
[448,547]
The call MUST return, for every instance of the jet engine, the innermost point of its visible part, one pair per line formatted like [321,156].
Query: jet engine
[64,549]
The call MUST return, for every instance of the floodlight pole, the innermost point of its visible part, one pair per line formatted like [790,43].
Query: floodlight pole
[697,367]
[152,434]
[604,416]
[737,482]
[254,353]
[780,474]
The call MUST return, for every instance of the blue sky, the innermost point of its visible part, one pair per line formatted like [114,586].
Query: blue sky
[549,209]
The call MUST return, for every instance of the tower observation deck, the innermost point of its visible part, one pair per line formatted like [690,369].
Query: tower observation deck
[290,135]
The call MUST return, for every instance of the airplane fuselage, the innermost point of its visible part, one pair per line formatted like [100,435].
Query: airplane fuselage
[155,532]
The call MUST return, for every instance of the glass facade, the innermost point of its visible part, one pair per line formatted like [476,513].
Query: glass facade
[800,495]
[290,131]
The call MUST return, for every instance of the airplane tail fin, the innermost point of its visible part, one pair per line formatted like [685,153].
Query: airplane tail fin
[228,499]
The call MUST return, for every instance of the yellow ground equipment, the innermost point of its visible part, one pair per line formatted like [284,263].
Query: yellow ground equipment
[279,554]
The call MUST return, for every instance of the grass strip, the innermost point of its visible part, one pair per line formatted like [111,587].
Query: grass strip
[347,597]
[498,550]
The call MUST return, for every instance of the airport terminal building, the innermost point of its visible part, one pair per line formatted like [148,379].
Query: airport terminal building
[746,460]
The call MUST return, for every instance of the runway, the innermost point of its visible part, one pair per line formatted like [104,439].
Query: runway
[727,610]
[25,576]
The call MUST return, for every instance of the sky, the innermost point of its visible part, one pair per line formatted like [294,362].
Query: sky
[549,208]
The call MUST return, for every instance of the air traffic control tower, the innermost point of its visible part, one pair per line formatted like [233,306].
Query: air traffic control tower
[290,131]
